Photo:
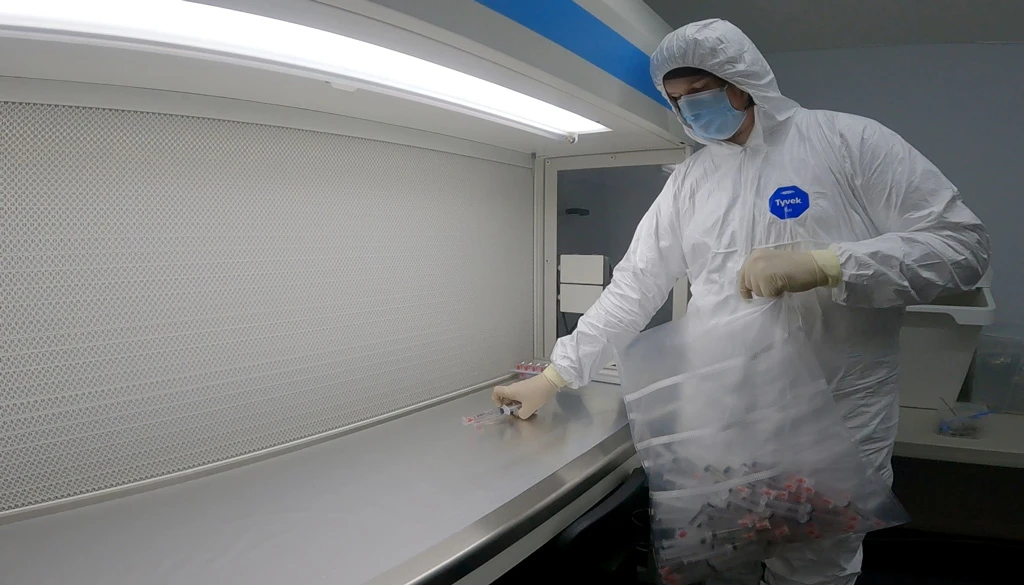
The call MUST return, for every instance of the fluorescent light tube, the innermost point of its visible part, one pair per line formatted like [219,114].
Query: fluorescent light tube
[176,27]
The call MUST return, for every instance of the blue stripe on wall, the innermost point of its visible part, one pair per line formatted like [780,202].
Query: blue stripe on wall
[567,24]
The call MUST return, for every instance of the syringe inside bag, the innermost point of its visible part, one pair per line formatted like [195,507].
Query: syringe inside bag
[745,449]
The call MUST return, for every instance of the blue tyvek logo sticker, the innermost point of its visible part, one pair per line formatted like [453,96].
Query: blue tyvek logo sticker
[789,202]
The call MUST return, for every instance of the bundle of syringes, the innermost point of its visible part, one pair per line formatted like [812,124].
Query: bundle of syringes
[745,448]
[736,515]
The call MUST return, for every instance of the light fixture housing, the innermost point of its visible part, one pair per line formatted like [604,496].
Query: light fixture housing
[176,27]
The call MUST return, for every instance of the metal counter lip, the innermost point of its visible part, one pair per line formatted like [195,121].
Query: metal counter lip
[122,491]
[465,551]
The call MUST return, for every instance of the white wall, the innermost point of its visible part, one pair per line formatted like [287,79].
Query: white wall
[960,105]
[177,291]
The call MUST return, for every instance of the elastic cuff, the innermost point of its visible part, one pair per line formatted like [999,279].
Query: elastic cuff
[554,377]
[828,262]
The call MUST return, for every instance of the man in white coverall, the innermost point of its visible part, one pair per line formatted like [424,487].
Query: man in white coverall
[831,203]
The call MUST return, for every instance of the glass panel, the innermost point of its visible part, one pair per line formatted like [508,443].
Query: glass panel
[598,212]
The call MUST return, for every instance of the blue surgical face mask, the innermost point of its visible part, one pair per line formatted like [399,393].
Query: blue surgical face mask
[710,115]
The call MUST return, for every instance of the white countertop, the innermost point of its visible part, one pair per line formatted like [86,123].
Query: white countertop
[1001,443]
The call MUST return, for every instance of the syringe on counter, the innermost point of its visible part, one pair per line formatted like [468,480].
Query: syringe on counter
[493,415]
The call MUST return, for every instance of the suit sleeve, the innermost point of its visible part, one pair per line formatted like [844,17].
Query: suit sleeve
[930,243]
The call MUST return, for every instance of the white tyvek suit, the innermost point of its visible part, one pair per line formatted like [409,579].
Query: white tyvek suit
[900,230]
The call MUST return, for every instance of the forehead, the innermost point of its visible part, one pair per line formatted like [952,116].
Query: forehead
[688,85]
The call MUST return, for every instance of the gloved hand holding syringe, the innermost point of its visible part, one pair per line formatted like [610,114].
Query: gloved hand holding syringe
[493,415]
[538,384]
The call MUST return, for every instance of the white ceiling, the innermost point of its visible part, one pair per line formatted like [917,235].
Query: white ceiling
[800,25]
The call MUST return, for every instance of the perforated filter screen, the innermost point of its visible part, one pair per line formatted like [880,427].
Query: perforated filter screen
[176,291]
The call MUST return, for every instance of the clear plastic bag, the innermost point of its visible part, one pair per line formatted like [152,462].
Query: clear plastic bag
[745,449]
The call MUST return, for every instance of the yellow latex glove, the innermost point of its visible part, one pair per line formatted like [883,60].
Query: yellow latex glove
[770,273]
[532,393]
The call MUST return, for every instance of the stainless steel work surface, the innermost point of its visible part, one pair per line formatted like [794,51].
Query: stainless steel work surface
[344,511]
